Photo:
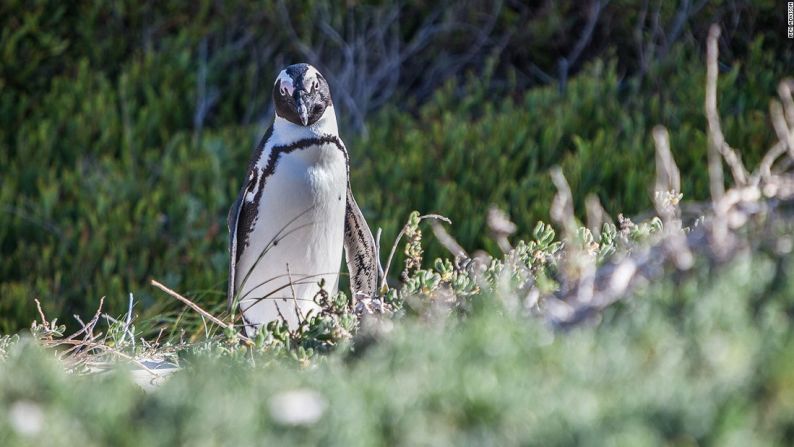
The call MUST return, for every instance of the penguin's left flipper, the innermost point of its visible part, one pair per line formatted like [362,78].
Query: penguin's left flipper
[361,253]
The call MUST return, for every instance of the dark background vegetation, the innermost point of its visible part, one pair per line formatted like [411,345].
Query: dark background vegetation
[125,126]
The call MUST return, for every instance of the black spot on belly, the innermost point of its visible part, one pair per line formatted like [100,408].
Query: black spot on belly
[275,242]
[339,198]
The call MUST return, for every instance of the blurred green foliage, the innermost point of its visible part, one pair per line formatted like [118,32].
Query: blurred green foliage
[125,127]
[462,155]
[705,361]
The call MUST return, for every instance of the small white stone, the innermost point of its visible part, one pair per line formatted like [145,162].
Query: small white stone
[26,417]
[297,407]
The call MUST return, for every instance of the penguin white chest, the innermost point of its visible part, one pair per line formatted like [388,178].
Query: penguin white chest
[296,237]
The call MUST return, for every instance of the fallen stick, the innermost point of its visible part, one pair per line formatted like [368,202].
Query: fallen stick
[196,307]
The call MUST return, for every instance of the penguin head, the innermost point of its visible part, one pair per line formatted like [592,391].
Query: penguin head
[301,94]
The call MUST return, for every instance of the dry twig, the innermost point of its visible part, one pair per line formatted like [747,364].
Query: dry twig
[718,239]
[447,241]
[195,307]
[562,205]
[716,138]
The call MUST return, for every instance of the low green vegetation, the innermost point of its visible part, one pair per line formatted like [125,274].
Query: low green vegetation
[111,176]
[91,208]
[119,161]
[705,360]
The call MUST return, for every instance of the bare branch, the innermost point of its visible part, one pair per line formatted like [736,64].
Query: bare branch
[668,177]
[500,227]
[596,215]
[41,313]
[784,91]
[765,168]
[781,127]
[195,307]
[565,63]
[562,205]
[447,241]
[716,138]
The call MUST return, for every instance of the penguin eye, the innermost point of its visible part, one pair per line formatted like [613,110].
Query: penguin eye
[283,91]
[315,85]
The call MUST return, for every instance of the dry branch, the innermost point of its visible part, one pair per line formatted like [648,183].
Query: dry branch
[562,205]
[447,241]
[716,138]
[721,237]
[196,308]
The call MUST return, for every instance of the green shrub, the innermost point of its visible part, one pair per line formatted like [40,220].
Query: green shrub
[459,156]
[110,177]
[703,361]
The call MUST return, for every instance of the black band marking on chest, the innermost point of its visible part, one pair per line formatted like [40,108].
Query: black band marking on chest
[249,211]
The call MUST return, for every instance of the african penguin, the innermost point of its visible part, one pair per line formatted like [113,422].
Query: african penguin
[295,212]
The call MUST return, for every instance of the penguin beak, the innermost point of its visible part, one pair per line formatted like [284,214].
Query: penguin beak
[303,111]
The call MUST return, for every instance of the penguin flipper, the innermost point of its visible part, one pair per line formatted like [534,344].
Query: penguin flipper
[361,253]
[231,221]
[239,209]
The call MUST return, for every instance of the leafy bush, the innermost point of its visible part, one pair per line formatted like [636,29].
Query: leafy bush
[614,339]
[461,156]
[706,360]
[121,151]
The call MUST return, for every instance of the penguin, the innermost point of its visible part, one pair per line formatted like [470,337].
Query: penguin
[295,213]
